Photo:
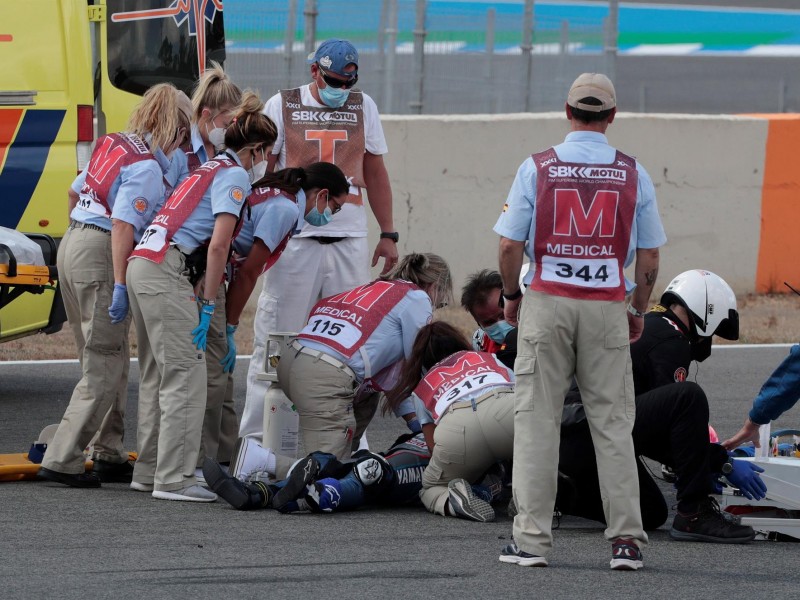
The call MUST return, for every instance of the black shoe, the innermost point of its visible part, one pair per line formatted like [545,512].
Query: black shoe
[80,480]
[110,472]
[303,472]
[241,496]
[710,525]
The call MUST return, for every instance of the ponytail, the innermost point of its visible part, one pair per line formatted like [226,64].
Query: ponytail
[434,342]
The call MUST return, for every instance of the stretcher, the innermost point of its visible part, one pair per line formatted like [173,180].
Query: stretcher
[19,467]
[778,514]
[17,279]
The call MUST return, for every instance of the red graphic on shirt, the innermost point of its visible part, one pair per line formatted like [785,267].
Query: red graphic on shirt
[599,220]
[179,206]
[359,312]
[584,219]
[111,153]
[259,196]
[680,374]
[459,375]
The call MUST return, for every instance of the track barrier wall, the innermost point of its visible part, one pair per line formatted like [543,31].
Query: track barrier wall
[728,187]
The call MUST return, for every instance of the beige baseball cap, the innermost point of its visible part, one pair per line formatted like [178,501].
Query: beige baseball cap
[592,85]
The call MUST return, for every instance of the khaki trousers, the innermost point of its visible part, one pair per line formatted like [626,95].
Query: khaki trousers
[468,442]
[559,337]
[323,396]
[306,272]
[172,392]
[86,279]
[220,425]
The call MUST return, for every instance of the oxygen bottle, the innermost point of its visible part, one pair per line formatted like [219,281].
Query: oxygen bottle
[281,421]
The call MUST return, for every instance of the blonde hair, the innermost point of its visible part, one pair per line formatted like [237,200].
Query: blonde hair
[250,125]
[157,114]
[214,90]
[429,272]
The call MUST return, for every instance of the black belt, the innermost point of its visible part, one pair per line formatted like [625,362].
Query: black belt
[73,224]
[324,239]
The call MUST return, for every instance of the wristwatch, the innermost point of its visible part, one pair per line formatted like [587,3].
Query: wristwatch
[727,467]
[635,311]
[515,296]
[390,235]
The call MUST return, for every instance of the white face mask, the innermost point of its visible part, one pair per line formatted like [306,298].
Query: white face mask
[216,136]
[257,171]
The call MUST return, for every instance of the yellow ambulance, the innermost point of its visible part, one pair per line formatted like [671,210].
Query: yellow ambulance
[73,70]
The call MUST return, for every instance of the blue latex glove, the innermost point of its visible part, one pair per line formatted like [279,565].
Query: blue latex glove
[200,333]
[229,361]
[414,426]
[745,477]
[119,303]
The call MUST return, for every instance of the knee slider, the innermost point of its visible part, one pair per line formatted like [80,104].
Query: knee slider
[371,468]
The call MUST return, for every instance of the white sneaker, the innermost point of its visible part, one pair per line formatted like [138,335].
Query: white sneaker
[141,487]
[193,493]
[198,474]
[251,461]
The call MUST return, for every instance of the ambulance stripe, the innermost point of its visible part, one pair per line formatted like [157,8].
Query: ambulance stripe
[25,162]
[9,121]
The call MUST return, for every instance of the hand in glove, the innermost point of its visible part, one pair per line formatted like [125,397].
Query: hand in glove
[745,477]
[229,361]
[200,333]
[119,303]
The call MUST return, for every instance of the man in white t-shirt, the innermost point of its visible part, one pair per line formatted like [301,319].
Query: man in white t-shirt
[325,120]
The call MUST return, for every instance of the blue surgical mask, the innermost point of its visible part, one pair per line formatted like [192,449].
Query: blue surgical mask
[316,218]
[333,97]
[498,331]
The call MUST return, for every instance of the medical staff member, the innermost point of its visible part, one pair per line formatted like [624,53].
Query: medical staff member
[586,210]
[325,120]
[465,405]
[110,203]
[350,349]
[214,101]
[276,208]
[172,319]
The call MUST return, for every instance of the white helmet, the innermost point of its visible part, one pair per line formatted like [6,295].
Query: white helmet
[710,301]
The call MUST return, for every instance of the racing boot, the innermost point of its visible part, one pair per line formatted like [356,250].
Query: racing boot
[240,495]
[302,473]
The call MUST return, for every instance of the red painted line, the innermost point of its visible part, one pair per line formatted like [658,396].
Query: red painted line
[6,37]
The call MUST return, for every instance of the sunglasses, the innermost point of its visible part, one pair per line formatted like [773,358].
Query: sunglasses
[337,83]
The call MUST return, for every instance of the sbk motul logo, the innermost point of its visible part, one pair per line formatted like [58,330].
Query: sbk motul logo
[563,171]
[598,220]
[324,117]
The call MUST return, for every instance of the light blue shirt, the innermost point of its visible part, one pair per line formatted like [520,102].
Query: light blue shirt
[134,196]
[226,194]
[197,145]
[392,339]
[518,220]
[270,222]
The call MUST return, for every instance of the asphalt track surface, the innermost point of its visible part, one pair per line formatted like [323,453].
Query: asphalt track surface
[116,543]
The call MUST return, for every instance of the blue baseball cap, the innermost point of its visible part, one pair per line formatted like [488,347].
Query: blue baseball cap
[334,55]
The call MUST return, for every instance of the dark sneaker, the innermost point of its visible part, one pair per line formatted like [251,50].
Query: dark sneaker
[625,555]
[710,524]
[466,504]
[241,496]
[303,472]
[79,480]
[109,472]
[515,556]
